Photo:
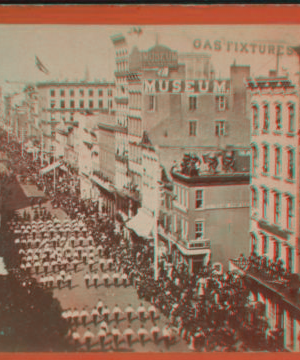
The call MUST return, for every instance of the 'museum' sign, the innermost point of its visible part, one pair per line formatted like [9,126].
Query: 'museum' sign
[188,86]
[242,47]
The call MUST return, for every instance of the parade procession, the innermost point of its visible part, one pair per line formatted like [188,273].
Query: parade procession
[127,206]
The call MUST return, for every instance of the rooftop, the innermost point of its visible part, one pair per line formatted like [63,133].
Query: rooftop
[269,83]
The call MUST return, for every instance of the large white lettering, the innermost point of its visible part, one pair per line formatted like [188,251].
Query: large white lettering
[189,86]
[200,86]
[176,86]
[149,86]
[219,87]
[161,88]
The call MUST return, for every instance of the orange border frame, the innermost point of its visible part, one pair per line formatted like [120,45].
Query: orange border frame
[146,15]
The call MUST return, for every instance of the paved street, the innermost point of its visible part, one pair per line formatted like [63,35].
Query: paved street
[79,296]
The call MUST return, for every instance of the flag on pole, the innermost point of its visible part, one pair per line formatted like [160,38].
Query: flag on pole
[135,30]
[40,66]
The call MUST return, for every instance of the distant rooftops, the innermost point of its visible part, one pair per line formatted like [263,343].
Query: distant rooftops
[263,83]
[74,83]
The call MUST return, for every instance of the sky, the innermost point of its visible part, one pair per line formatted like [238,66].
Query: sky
[66,50]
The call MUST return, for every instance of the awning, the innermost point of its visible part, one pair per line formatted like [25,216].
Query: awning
[105,185]
[142,224]
[50,167]
[64,168]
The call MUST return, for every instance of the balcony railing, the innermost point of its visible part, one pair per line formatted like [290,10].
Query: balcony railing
[272,275]
[122,158]
[191,245]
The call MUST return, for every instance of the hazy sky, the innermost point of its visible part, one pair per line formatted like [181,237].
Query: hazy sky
[66,50]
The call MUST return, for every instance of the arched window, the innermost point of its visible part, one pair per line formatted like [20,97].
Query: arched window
[265,159]
[255,114]
[254,160]
[277,161]
[290,164]
[254,198]
[278,116]
[264,203]
[266,117]
[291,111]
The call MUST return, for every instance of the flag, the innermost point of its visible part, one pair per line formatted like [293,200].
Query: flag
[40,66]
[135,30]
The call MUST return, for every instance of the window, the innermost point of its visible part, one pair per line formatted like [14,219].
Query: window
[278,117]
[220,128]
[151,103]
[290,164]
[110,104]
[192,103]
[52,117]
[289,259]
[91,104]
[255,117]
[100,104]
[81,92]
[221,103]
[265,244]
[276,208]
[265,204]
[290,212]
[193,127]
[52,104]
[72,116]
[109,92]
[62,104]
[254,160]
[72,103]
[91,92]
[199,229]
[265,159]
[62,92]
[291,117]
[277,161]
[254,198]
[71,92]
[81,104]
[100,92]
[276,251]
[199,199]
[266,117]
[52,93]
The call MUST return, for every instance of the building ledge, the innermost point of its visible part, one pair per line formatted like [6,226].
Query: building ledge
[277,132]
[291,134]
[206,179]
[273,229]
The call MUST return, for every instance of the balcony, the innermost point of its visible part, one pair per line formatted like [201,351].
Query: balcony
[189,245]
[273,229]
[122,158]
[272,275]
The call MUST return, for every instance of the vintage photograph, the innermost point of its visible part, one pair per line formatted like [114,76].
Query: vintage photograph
[149,188]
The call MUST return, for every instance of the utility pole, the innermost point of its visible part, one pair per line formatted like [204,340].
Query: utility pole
[156,201]
[42,150]
[22,141]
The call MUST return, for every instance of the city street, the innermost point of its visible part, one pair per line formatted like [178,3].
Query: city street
[79,296]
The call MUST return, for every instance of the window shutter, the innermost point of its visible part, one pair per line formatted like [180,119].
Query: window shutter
[226,126]
[226,103]
[217,103]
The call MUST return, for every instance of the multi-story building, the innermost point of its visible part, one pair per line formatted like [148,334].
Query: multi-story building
[60,101]
[274,215]
[176,102]
[209,212]
[275,169]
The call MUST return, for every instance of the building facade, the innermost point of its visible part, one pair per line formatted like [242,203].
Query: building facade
[272,270]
